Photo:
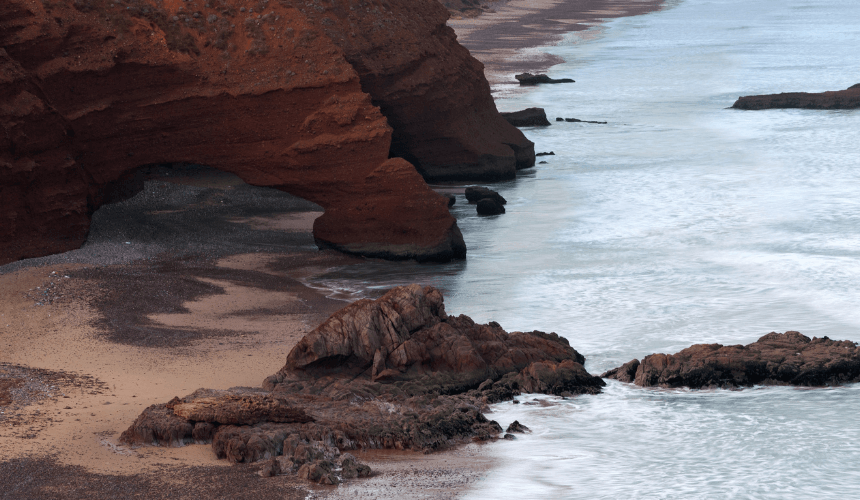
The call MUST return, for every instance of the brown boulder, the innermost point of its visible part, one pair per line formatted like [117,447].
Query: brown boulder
[788,358]
[839,99]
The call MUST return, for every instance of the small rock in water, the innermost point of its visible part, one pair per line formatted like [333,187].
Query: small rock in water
[530,117]
[510,437]
[475,194]
[530,79]
[516,426]
[489,206]
[551,153]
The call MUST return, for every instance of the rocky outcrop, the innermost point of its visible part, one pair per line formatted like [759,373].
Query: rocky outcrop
[530,79]
[396,372]
[297,95]
[529,117]
[839,99]
[788,358]
[474,194]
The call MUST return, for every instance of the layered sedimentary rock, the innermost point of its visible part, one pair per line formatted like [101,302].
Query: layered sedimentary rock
[396,372]
[839,99]
[788,358]
[284,94]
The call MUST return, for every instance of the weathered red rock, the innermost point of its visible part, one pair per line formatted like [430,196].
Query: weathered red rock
[788,358]
[396,372]
[287,97]
[839,99]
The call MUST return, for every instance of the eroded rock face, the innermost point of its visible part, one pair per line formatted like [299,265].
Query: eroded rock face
[396,372]
[788,358]
[840,99]
[284,94]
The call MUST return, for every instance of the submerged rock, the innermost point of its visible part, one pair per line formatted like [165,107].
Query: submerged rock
[530,79]
[529,117]
[839,99]
[788,358]
[396,372]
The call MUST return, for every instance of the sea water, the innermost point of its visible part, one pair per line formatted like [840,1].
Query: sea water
[678,222]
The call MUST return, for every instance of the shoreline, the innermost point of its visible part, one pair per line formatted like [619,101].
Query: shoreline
[506,38]
[200,295]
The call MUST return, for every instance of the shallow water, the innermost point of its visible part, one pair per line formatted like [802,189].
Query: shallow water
[679,222]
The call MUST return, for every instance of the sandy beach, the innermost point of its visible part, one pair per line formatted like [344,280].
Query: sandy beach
[169,296]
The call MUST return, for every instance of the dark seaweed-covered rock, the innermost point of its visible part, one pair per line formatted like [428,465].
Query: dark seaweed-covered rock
[489,206]
[788,358]
[529,117]
[474,194]
[530,79]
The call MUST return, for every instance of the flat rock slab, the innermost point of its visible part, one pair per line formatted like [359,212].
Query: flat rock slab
[789,358]
[240,410]
[529,117]
[530,79]
[840,99]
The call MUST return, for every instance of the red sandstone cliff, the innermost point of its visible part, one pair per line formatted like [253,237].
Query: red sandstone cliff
[283,93]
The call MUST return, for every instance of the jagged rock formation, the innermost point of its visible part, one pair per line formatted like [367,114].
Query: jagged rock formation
[284,94]
[396,372]
[839,99]
[788,358]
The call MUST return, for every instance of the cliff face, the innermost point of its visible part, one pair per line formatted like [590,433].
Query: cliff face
[281,93]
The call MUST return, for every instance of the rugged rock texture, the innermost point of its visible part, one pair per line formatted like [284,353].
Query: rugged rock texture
[529,117]
[840,99]
[284,94]
[396,372]
[788,358]
[530,79]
